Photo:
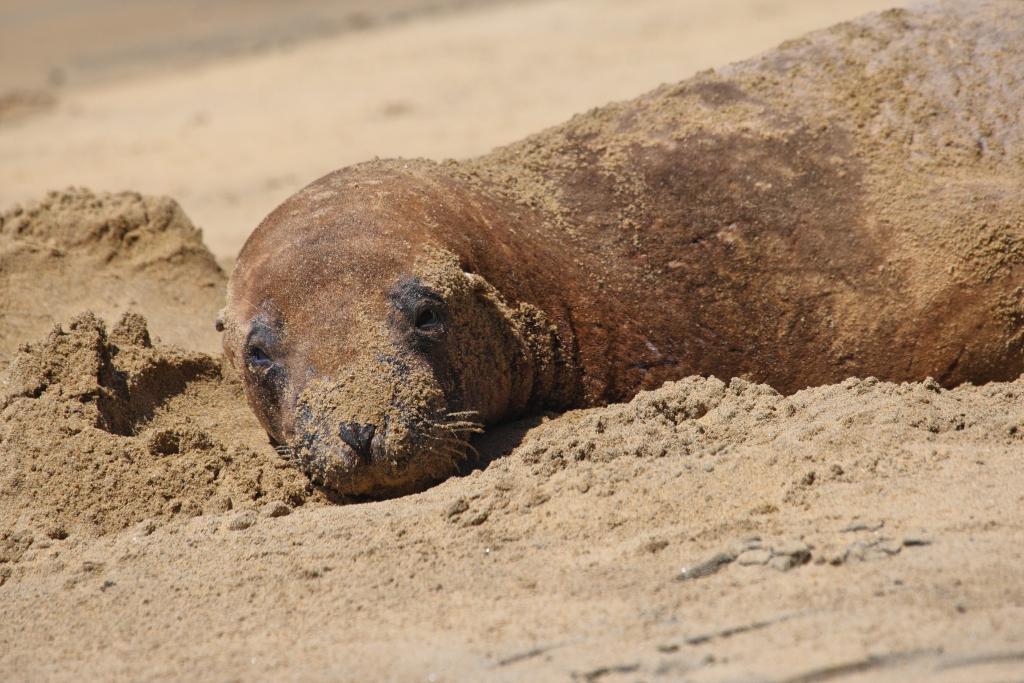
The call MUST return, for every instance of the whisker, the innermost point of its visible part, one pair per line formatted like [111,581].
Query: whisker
[464,430]
[472,448]
[454,442]
[460,427]
[463,413]
[460,423]
[435,437]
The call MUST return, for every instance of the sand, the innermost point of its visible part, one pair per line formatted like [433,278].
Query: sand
[708,530]
[111,253]
[230,139]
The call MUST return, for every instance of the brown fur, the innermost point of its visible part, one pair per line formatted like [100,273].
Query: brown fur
[849,204]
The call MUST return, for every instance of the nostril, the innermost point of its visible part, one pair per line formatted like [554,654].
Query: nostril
[358,437]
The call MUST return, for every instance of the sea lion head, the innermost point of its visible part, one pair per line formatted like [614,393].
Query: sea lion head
[370,346]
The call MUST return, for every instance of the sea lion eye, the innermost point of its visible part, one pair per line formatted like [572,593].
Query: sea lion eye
[419,310]
[428,320]
[258,358]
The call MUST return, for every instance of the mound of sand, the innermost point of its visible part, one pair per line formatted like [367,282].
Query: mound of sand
[77,250]
[859,429]
[99,433]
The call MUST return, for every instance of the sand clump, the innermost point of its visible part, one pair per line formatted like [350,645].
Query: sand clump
[96,435]
[744,448]
[882,426]
[77,249]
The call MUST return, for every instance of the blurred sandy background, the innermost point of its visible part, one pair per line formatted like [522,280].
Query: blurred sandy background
[230,106]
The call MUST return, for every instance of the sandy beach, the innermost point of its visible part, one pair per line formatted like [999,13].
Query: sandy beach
[229,139]
[710,530]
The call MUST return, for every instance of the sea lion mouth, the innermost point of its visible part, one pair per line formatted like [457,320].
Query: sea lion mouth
[397,454]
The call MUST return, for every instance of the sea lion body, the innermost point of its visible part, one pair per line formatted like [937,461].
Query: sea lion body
[850,204]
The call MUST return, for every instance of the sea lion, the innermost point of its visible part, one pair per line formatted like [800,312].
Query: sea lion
[849,204]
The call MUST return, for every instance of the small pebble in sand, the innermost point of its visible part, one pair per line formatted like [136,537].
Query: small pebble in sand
[145,528]
[911,541]
[276,508]
[753,557]
[654,545]
[242,520]
[457,507]
[705,568]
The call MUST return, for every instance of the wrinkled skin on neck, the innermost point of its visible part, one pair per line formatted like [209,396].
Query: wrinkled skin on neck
[370,340]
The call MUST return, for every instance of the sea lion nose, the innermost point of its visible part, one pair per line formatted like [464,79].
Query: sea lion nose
[358,436]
